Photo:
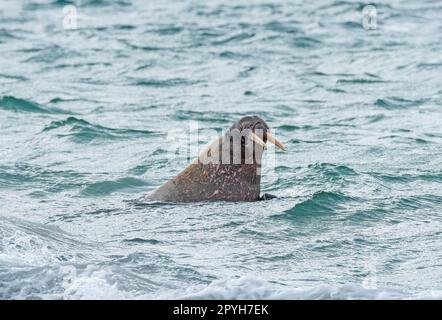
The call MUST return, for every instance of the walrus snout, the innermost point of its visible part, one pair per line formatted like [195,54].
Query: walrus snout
[259,131]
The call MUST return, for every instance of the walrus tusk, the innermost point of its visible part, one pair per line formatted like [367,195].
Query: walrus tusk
[273,140]
[258,140]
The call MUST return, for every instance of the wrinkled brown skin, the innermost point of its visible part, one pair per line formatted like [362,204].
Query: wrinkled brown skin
[205,181]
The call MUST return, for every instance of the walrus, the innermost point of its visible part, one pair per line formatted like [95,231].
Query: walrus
[228,169]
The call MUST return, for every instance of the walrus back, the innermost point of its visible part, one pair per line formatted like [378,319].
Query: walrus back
[211,182]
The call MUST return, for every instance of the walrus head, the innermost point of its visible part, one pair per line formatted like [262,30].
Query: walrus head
[228,169]
[254,134]
[243,143]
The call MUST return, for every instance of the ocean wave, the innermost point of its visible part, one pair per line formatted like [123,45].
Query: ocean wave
[320,203]
[11,103]
[306,42]
[24,243]
[359,81]
[43,262]
[95,282]
[295,141]
[157,83]
[408,177]
[104,188]
[233,55]
[47,55]
[82,131]
[33,5]
[430,66]
[234,38]
[63,282]
[150,48]
[320,174]
[282,27]
[211,117]
[375,118]
[332,172]
[417,202]
[13,77]
[292,127]
[24,176]
[392,103]
[251,288]
[167,30]
[141,240]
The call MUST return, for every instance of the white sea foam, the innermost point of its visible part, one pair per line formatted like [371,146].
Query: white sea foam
[251,287]
[93,283]
[32,266]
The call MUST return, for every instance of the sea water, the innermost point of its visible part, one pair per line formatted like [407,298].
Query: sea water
[96,102]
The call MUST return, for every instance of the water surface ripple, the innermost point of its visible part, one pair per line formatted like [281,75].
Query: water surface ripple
[84,120]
